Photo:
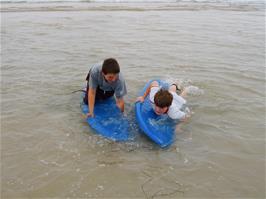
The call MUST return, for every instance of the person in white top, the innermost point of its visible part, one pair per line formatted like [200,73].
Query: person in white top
[166,101]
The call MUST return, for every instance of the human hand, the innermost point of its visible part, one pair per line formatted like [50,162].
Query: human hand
[90,115]
[140,99]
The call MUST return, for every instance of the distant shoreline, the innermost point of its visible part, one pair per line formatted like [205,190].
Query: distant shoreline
[141,6]
[132,1]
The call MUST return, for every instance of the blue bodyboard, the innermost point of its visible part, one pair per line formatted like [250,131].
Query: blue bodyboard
[108,121]
[160,129]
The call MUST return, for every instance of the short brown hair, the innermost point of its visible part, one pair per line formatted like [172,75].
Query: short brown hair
[110,65]
[163,98]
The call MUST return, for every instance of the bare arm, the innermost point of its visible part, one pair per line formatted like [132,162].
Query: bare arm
[148,90]
[120,103]
[91,102]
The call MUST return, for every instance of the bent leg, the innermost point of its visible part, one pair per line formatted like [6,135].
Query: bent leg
[184,93]
[173,88]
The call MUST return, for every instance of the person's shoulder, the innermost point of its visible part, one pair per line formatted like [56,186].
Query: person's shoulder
[96,68]
[175,113]
[173,108]
[178,98]
[121,78]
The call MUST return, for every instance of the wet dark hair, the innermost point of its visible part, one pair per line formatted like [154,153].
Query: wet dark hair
[163,98]
[110,66]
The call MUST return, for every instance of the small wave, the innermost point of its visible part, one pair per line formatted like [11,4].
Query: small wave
[132,1]
[134,5]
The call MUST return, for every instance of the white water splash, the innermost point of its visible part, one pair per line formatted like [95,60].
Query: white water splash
[194,91]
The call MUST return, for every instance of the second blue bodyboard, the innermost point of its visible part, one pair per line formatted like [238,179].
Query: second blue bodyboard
[160,129]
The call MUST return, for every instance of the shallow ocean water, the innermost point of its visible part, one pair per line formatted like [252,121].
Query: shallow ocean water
[47,148]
